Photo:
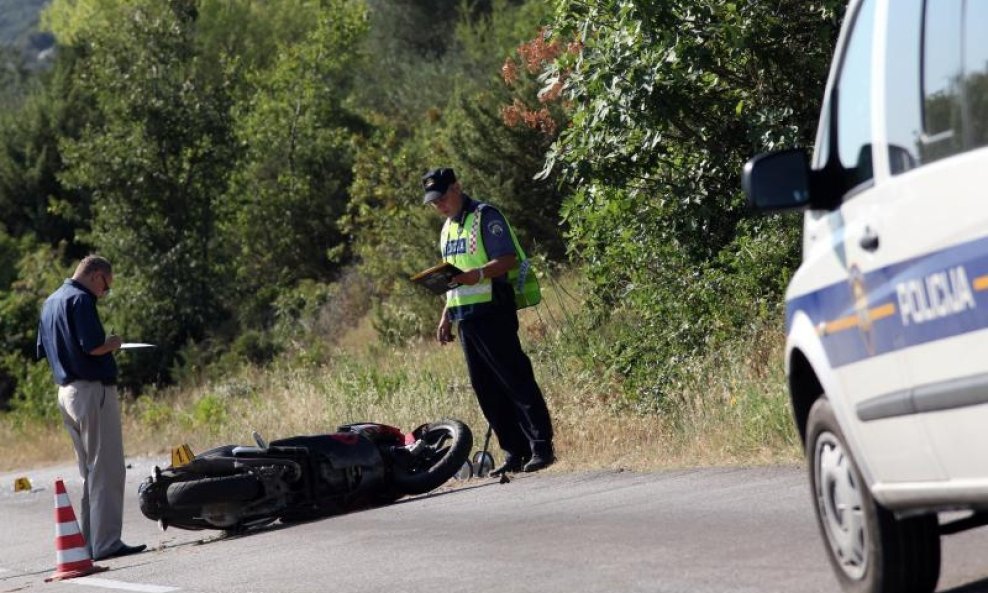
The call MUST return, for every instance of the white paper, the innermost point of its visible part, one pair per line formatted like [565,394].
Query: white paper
[135,345]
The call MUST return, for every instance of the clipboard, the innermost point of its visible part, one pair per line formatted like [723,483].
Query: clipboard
[439,278]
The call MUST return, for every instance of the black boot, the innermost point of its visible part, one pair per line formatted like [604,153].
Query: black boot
[510,465]
[540,460]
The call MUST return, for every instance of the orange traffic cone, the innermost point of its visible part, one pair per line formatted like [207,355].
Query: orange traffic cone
[71,552]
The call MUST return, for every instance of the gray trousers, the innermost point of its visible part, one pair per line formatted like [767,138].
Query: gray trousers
[91,414]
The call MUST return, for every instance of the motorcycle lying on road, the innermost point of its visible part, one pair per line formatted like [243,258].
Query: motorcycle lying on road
[361,465]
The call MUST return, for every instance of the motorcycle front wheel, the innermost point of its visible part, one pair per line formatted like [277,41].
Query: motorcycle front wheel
[447,448]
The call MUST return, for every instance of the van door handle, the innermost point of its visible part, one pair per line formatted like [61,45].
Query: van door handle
[869,241]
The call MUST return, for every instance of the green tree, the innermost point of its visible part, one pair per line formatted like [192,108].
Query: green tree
[666,101]
[33,200]
[421,51]
[392,234]
[290,186]
[500,135]
[73,20]
[14,77]
[407,71]
[498,163]
[156,163]
[443,108]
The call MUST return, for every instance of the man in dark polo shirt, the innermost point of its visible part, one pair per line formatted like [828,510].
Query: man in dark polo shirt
[80,354]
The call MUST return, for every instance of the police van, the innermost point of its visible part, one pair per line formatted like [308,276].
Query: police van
[887,316]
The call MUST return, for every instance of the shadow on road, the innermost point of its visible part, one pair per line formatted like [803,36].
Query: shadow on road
[975,587]
[231,535]
[491,482]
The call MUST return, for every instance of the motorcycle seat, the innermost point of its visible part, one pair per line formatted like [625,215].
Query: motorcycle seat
[342,449]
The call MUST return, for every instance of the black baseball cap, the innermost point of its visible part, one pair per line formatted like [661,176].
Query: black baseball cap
[436,182]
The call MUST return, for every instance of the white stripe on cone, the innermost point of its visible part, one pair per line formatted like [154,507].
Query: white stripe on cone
[72,555]
[67,528]
[62,501]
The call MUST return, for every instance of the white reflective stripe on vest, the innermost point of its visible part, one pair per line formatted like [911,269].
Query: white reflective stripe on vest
[465,291]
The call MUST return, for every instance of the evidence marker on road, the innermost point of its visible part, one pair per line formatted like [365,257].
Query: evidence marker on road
[182,455]
[22,484]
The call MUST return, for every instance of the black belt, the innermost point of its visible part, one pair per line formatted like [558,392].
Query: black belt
[103,381]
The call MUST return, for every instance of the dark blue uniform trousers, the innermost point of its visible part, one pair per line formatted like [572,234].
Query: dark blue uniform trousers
[502,377]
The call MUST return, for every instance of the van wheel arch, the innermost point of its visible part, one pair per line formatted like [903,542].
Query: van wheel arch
[804,390]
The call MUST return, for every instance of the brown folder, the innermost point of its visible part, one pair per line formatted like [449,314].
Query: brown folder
[439,278]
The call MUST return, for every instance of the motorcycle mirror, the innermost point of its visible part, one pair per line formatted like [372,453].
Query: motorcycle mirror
[483,464]
[259,440]
[465,472]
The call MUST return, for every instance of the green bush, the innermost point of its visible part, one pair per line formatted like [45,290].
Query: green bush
[38,272]
[394,234]
[396,323]
[153,413]
[209,413]
[255,347]
[36,395]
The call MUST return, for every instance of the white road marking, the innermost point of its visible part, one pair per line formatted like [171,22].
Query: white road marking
[110,584]
[4,570]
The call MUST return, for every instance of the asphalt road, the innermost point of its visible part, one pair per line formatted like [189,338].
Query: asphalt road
[691,531]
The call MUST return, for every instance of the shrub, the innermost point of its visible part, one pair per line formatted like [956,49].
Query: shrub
[255,347]
[209,413]
[35,396]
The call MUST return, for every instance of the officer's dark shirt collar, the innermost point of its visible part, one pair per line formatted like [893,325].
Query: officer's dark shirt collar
[80,286]
[468,206]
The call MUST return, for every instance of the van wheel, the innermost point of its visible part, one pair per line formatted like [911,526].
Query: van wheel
[869,548]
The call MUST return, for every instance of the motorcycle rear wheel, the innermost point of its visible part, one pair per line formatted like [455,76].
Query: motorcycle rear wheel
[194,493]
[448,447]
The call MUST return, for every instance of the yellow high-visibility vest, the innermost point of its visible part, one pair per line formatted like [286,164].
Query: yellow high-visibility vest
[470,253]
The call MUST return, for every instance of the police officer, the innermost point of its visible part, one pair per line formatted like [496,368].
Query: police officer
[80,355]
[476,238]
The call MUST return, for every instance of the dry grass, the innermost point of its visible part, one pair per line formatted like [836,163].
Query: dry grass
[734,412]
[33,445]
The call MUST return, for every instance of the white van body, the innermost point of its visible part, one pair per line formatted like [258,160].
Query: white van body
[900,333]
[887,316]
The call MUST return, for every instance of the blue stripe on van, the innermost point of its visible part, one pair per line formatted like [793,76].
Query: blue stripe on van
[927,298]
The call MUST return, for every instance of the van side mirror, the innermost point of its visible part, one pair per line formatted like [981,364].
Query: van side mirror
[777,180]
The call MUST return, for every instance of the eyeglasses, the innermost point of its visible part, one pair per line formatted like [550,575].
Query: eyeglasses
[106,285]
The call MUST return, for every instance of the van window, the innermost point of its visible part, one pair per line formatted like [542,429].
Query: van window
[854,100]
[976,73]
[903,100]
[941,79]
[936,98]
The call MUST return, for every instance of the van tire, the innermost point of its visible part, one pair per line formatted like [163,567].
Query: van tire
[870,549]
